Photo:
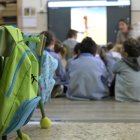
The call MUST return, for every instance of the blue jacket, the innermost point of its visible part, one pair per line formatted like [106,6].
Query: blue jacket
[88,78]
[60,74]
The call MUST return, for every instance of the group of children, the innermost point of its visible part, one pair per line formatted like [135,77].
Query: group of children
[95,73]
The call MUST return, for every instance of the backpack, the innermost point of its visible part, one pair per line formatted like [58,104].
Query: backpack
[18,83]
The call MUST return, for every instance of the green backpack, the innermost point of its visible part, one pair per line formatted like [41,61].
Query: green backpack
[19,81]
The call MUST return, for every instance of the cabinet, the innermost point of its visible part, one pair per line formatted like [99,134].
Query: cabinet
[8,12]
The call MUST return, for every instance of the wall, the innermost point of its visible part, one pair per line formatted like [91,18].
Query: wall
[42,18]
[135,11]
[40,6]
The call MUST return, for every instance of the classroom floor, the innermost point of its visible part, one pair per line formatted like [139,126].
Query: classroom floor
[87,120]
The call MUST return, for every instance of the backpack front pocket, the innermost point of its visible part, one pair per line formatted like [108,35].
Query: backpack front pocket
[21,116]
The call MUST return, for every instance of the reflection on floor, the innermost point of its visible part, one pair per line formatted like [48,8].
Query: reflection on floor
[79,120]
[91,111]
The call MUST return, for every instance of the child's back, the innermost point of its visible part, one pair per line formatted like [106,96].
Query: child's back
[127,82]
[88,79]
[128,73]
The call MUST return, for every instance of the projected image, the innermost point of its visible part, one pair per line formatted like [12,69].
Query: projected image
[90,22]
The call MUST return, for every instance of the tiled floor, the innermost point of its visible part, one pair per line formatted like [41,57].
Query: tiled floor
[87,120]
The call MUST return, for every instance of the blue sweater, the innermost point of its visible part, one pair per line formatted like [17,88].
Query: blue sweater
[60,74]
[88,78]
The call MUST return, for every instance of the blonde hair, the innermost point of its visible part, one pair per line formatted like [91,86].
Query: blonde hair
[117,48]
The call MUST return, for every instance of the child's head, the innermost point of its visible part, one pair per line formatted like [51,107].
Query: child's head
[102,53]
[77,49]
[72,34]
[59,48]
[88,46]
[117,48]
[138,38]
[109,46]
[50,38]
[131,48]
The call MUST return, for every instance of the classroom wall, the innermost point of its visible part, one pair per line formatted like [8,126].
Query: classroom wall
[42,14]
[135,11]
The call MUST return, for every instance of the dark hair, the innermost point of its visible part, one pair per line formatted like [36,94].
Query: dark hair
[102,54]
[72,33]
[50,37]
[88,46]
[126,21]
[58,46]
[138,38]
[109,46]
[132,47]
[77,48]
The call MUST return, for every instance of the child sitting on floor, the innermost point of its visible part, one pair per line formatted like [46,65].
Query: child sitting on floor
[127,70]
[61,51]
[76,53]
[87,78]
[60,74]
[112,57]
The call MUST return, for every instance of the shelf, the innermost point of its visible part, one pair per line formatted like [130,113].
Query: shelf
[3,3]
[8,14]
[2,23]
[7,1]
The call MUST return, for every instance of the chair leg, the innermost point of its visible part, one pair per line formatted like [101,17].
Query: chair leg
[4,137]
